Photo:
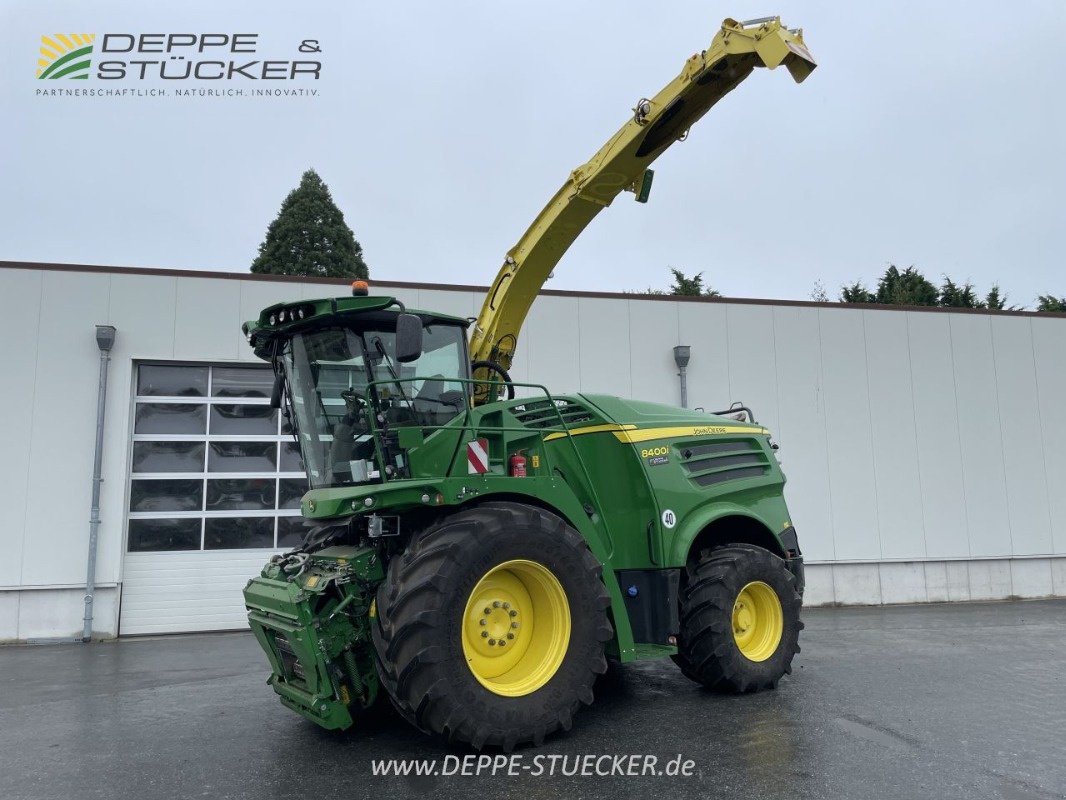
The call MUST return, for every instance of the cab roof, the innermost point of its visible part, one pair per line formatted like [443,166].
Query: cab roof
[284,319]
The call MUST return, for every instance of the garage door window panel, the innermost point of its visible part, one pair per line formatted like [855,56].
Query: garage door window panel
[242,382]
[171,380]
[244,420]
[290,491]
[212,467]
[244,494]
[237,533]
[147,535]
[168,457]
[291,531]
[170,418]
[291,461]
[242,457]
[166,495]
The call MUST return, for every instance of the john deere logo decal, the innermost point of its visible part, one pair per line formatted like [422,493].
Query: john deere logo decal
[65,55]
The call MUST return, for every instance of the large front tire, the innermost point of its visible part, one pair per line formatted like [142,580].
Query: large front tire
[508,574]
[740,619]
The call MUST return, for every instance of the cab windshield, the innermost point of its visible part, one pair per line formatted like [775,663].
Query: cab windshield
[328,371]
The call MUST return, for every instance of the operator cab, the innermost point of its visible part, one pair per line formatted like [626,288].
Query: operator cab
[403,369]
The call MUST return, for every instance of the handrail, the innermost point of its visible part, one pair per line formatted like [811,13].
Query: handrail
[563,427]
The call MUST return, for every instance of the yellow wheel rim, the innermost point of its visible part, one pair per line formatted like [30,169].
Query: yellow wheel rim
[516,628]
[758,621]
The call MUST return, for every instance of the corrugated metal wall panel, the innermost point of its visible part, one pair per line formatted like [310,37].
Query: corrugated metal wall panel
[936,422]
[905,435]
[652,332]
[60,465]
[705,328]
[1049,349]
[1024,463]
[23,291]
[980,436]
[752,362]
[603,336]
[848,432]
[206,313]
[553,336]
[895,437]
[801,430]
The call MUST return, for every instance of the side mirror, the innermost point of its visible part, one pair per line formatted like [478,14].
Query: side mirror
[408,338]
[275,393]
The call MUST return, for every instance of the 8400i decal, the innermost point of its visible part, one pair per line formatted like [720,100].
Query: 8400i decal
[656,455]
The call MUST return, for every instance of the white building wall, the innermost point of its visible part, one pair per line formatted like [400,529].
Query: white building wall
[925,451]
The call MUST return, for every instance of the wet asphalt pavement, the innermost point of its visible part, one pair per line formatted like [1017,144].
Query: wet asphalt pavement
[955,701]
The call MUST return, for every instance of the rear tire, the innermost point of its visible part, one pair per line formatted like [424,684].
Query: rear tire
[438,598]
[740,620]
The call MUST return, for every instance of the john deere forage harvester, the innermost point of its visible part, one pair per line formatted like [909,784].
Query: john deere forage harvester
[478,556]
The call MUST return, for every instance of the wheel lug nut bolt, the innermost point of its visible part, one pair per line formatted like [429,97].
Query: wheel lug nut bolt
[514,625]
[488,610]
[510,636]
[484,634]
[492,642]
[484,621]
[506,605]
[502,642]
[495,603]
[514,613]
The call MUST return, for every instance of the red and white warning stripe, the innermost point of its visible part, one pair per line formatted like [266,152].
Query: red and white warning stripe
[477,456]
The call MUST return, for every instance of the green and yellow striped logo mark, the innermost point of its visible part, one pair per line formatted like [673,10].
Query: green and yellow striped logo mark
[65,55]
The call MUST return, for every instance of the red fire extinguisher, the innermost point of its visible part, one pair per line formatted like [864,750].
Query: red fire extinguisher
[518,465]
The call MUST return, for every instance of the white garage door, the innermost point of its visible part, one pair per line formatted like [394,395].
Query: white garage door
[215,482]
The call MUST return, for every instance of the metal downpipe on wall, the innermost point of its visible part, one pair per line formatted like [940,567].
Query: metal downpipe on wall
[682,353]
[105,340]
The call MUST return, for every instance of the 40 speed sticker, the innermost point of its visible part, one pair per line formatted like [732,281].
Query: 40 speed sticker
[669,519]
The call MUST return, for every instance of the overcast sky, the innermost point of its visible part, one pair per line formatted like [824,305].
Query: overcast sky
[931,134]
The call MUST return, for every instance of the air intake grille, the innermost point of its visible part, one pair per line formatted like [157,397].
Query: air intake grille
[545,414]
[718,462]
